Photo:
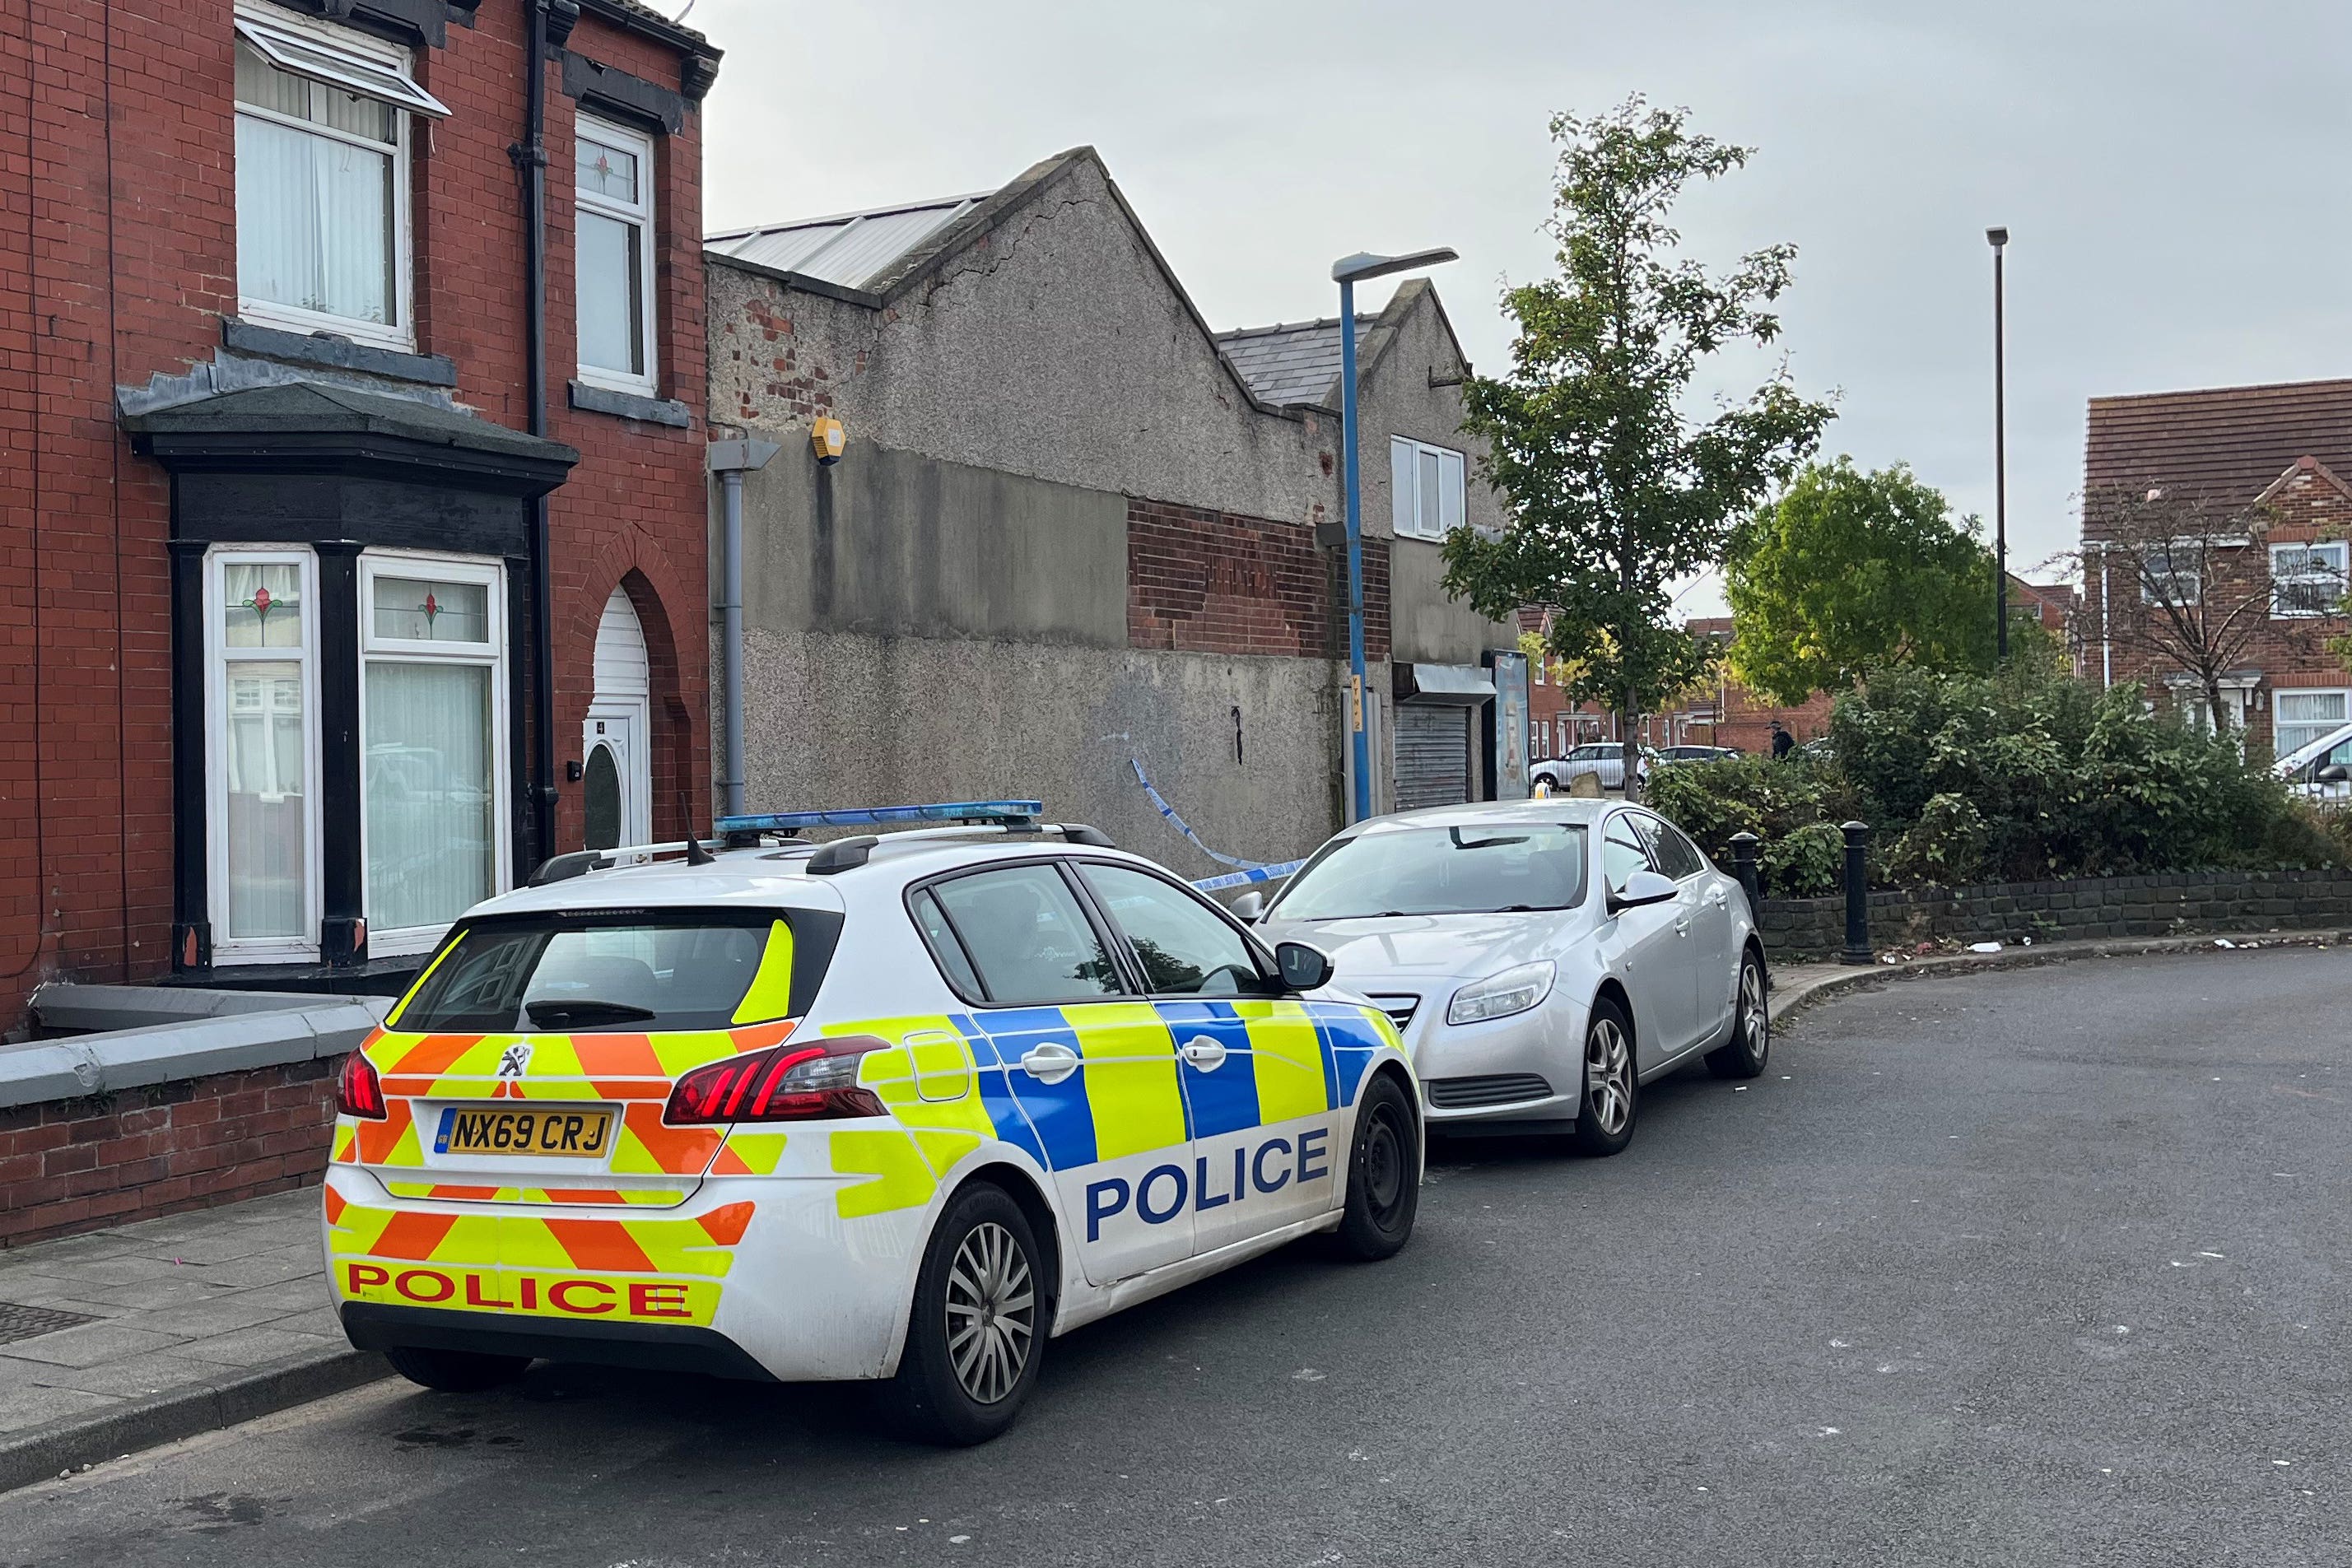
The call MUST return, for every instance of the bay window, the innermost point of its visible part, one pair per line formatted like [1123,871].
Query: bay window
[261,642]
[322,199]
[425,754]
[614,256]
[433,773]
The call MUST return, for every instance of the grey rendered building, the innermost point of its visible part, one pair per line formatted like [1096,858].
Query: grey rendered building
[1074,533]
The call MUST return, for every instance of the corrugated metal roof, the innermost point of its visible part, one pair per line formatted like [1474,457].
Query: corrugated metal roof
[848,248]
[1287,364]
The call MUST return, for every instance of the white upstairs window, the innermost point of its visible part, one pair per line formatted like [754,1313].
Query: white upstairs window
[1426,488]
[615,257]
[323,197]
[2308,579]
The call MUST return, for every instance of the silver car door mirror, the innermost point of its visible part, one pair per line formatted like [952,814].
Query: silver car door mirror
[1249,906]
[1642,887]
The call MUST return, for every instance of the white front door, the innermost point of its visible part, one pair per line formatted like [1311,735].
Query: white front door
[615,781]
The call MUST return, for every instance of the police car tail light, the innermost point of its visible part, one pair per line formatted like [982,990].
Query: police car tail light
[359,1092]
[785,1083]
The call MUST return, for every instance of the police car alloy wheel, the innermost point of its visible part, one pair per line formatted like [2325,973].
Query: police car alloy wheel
[977,1333]
[1750,1046]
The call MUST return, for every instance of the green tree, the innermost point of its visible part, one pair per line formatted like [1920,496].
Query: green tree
[1849,571]
[1614,491]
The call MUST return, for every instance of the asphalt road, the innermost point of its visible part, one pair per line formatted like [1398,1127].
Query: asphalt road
[2045,1267]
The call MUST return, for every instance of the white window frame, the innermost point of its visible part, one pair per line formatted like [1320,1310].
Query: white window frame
[219,657]
[255,27]
[1405,500]
[395,943]
[2278,699]
[643,214]
[2338,578]
[2173,573]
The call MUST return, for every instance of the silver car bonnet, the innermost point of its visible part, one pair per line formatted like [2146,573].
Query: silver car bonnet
[1373,952]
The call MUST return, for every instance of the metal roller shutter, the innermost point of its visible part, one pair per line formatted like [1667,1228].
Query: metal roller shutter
[1433,754]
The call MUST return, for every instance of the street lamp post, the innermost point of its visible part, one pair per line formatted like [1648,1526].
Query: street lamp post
[1999,239]
[1346,273]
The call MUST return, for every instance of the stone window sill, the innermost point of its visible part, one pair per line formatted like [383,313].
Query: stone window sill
[332,352]
[629,405]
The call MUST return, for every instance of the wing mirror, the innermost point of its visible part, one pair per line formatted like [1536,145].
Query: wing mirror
[1642,887]
[1249,906]
[2334,773]
[1304,968]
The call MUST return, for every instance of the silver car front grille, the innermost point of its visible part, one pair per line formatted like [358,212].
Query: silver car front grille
[1400,1008]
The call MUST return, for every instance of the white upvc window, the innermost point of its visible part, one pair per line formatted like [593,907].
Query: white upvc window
[1426,488]
[2298,718]
[261,754]
[433,753]
[322,186]
[2308,579]
[615,258]
[2174,575]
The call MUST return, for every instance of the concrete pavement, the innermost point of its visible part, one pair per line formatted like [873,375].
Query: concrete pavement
[2040,1271]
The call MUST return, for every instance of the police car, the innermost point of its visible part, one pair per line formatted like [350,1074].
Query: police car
[899,1107]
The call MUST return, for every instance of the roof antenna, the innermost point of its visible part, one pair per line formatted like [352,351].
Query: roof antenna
[694,854]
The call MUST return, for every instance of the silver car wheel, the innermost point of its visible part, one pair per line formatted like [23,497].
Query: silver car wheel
[1609,1076]
[1755,1018]
[992,1312]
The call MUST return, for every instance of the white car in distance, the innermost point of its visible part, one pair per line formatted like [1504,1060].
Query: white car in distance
[1541,959]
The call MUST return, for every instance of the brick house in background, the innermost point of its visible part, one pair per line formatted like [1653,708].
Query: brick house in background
[308,623]
[2282,451]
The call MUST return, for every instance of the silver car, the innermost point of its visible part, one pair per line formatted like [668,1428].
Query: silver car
[1543,959]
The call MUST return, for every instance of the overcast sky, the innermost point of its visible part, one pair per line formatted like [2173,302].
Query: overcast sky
[2171,172]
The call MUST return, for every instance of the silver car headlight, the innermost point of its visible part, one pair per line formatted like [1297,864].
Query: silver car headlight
[1500,996]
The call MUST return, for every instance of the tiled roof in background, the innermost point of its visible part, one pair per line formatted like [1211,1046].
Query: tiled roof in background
[1287,364]
[2228,443]
[848,248]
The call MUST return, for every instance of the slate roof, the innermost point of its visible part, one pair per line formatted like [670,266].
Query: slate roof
[1287,364]
[314,407]
[852,249]
[2228,443]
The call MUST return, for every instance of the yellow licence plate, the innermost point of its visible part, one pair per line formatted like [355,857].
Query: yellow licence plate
[565,1133]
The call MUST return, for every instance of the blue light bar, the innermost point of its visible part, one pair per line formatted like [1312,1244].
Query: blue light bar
[1008,813]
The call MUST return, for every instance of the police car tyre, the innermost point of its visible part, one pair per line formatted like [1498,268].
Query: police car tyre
[979,1327]
[455,1370]
[1604,1123]
[1750,1045]
[1383,1175]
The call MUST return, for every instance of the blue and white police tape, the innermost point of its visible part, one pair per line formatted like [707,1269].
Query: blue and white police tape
[1254,874]
[1182,826]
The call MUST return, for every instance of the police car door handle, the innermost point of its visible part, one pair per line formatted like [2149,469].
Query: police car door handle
[1205,1054]
[1050,1063]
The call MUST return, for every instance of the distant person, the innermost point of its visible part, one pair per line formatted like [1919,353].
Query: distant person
[1783,742]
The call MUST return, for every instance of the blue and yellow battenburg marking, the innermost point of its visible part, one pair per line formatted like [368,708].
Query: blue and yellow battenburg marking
[1129,1094]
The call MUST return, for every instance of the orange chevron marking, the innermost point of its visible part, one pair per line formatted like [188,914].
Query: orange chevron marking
[466,1193]
[600,1244]
[378,1139]
[433,1054]
[414,1236]
[677,1151]
[729,1163]
[726,1225]
[616,1056]
[583,1195]
[335,1205]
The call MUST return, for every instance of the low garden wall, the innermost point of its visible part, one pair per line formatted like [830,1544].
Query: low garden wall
[148,1101]
[1798,930]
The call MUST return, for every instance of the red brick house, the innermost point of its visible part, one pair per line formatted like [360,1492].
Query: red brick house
[2269,462]
[344,502]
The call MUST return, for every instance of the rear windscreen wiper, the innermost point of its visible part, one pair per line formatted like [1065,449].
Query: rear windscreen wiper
[566,1014]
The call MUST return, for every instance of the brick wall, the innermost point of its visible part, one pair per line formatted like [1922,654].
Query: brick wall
[1796,929]
[1210,582]
[135,98]
[71,1166]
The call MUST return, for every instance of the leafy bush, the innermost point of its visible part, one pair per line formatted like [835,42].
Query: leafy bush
[1806,862]
[1945,846]
[2015,776]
